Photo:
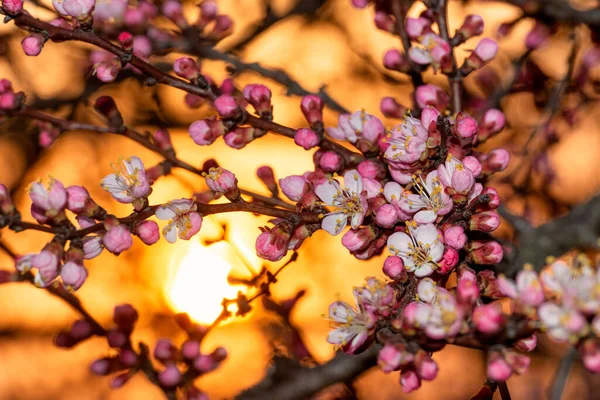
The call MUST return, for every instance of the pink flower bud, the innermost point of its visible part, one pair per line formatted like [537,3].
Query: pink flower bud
[472,26]
[12,6]
[387,216]
[306,138]
[431,95]
[467,290]
[466,127]
[47,264]
[77,199]
[529,344]
[173,10]
[125,316]
[222,28]
[484,252]
[498,369]
[81,330]
[417,27]
[312,108]
[371,169]
[193,101]
[165,351]
[80,9]
[32,44]
[294,186]
[486,49]
[494,198]
[590,355]
[537,36]
[272,244]
[221,180]
[360,3]
[204,363]
[50,200]
[108,71]
[488,319]
[486,221]
[409,380]
[128,358]
[359,239]
[125,39]
[493,122]
[120,380]
[240,137]
[5,86]
[190,349]
[384,21]
[267,176]
[260,98]
[148,232]
[162,139]
[101,367]
[92,247]
[186,68]
[73,275]
[330,161]
[473,165]
[495,161]
[393,268]
[116,339]
[6,203]
[394,60]
[454,236]
[448,261]
[206,131]
[170,376]
[117,239]
[227,106]
[391,108]
[392,357]
[427,369]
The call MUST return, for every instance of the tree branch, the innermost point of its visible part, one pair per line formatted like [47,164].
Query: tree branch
[304,382]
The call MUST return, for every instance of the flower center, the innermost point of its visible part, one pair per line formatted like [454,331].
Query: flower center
[432,196]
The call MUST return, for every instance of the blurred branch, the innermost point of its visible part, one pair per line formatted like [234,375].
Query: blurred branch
[454,77]
[156,76]
[399,9]
[558,10]
[302,7]
[140,138]
[580,228]
[303,382]
[277,75]
[504,392]
[562,373]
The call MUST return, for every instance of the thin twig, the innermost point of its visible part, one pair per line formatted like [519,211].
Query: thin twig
[454,77]
[562,373]
[504,392]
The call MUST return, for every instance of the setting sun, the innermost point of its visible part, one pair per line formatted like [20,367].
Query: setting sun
[199,281]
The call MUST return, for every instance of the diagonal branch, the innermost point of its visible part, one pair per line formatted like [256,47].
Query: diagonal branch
[304,382]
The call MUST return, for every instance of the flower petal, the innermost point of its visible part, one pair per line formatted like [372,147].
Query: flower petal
[353,181]
[334,223]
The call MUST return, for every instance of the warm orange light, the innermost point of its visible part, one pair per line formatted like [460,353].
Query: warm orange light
[199,281]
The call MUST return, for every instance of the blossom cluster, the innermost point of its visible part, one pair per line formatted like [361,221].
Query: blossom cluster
[415,189]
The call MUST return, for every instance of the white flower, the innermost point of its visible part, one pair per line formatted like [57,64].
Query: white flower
[352,327]
[129,182]
[408,142]
[420,249]
[439,314]
[348,200]
[562,323]
[429,203]
[183,219]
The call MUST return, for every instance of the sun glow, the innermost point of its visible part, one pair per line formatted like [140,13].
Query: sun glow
[199,281]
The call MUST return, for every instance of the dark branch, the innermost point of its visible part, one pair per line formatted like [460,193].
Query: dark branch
[304,382]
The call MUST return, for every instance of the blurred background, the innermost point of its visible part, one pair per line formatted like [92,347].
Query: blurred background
[331,44]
